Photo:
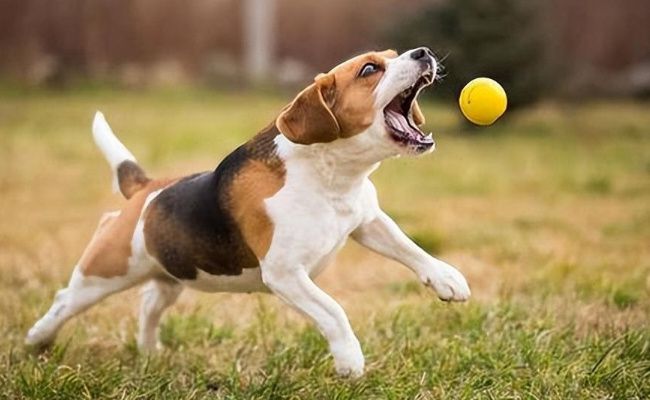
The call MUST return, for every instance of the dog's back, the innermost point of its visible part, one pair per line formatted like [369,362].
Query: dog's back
[211,221]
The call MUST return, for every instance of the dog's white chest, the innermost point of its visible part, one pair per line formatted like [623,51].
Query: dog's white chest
[314,217]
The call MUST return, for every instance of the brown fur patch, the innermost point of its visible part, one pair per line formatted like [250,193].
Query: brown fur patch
[354,101]
[109,250]
[131,178]
[256,181]
[261,178]
[309,119]
[339,104]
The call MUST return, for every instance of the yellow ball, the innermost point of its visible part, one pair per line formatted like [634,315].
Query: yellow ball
[483,101]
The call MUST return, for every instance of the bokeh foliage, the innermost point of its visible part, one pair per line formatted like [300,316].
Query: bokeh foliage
[499,39]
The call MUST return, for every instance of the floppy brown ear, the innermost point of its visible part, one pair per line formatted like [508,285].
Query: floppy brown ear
[418,117]
[308,119]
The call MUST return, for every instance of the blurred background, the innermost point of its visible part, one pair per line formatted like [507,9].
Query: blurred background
[545,212]
[569,48]
[185,82]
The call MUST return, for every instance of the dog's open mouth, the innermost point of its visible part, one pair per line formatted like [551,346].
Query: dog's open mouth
[398,115]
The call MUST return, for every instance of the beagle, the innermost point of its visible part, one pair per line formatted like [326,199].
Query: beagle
[273,213]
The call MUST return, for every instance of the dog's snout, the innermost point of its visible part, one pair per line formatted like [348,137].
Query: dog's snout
[421,53]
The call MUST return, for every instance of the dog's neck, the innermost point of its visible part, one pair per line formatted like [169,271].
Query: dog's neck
[341,165]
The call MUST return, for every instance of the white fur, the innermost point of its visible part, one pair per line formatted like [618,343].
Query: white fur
[401,73]
[157,295]
[327,197]
[114,151]
[81,293]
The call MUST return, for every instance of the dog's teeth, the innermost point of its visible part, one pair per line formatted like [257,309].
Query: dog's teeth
[429,136]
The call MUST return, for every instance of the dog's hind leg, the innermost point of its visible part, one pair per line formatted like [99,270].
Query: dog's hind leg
[157,295]
[81,293]
[103,269]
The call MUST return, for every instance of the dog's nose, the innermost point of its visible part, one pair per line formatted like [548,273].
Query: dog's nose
[421,53]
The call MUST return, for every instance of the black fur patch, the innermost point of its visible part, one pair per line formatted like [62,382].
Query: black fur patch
[131,178]
[188,225]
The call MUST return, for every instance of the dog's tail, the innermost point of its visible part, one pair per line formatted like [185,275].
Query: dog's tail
[128,176]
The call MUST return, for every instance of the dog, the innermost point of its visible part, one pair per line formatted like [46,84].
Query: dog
[273,213]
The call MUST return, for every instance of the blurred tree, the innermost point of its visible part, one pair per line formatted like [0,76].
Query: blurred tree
[499,39]
[259,23]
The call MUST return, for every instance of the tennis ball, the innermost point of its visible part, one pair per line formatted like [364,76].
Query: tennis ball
[483,101]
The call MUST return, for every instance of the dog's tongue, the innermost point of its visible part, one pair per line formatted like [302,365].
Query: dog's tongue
[398,121]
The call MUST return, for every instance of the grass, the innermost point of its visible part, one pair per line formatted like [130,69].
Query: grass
[546,213]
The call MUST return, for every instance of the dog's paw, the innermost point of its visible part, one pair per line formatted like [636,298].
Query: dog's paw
[151,346]
[350,368]
[38,340]
[348,360]
[448,282]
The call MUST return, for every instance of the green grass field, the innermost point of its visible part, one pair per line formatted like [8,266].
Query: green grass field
[547,214]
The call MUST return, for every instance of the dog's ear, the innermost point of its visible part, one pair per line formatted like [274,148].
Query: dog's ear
[309,119]
[418,117]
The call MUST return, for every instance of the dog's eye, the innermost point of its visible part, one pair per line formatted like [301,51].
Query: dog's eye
[368,69]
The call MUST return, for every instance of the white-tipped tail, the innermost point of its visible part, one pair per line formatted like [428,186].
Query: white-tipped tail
[114,151]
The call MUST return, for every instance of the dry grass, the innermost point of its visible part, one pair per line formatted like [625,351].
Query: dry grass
[546,213]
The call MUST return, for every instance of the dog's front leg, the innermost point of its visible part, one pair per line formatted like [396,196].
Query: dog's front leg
[294,286]
[382,235]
